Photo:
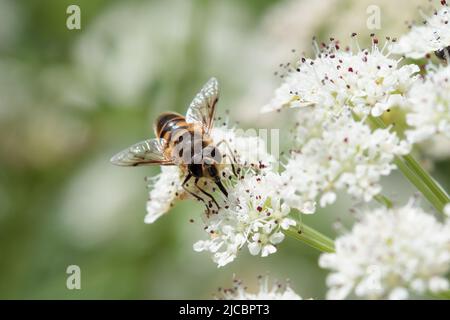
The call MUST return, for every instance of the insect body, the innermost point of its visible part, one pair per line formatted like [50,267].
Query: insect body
[184,141]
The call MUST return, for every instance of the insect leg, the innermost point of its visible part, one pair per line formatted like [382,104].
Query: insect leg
[221,187]
[206,193]
[188,177]
[231,153]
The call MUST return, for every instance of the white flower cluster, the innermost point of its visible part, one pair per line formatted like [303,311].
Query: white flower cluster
[253,216]
[429,110]
[165,189]
[390,254]
[433,36]
[333,95]
[368,82]
[265,291]
[345,154]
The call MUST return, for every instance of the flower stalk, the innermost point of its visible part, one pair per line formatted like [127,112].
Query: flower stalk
[429,181]
[417,175]
[311,237]
[384,200]
[419,184]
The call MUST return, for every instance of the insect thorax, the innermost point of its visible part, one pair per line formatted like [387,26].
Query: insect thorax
[192,146]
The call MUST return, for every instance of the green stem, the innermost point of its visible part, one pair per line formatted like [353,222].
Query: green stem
[311,231]
[419,184]
[312,238]
[429,181]
[418,176]
[384,200]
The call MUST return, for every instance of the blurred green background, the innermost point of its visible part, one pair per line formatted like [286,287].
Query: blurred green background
[69,99]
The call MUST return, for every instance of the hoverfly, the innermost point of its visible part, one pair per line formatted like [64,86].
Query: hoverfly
[184,141]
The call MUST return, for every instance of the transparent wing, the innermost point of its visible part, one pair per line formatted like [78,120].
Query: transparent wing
[146,152]
[201,110]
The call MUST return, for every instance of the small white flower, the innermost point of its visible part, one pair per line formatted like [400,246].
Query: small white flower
[390,254]
[328,198]
[367,82]
[429,112]
[343,154]
[265,291]
[166,188]
[447,210]
[434,35]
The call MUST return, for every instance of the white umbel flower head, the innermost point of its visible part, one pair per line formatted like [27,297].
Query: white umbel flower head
[390,254]
[266,291]
[253,216]
[166,188]
[367,82]
[421,40]
[344,154]
[429,110]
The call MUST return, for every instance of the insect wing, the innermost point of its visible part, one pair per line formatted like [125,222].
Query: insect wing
[146,152]
[201,110]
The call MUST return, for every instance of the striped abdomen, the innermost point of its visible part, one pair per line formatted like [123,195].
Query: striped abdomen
[167,125]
